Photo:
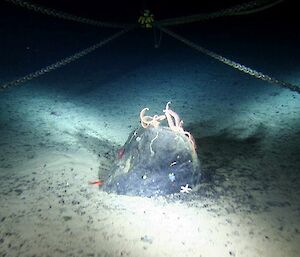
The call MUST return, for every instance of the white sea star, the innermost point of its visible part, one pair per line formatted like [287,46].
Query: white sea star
[185,189]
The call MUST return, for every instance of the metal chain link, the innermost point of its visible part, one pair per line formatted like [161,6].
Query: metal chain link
[233,64]
[66,16]
[259,8]
[62,62]
[240,9]
[235,10]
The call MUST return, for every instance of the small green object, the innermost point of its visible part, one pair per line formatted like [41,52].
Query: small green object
[146,20]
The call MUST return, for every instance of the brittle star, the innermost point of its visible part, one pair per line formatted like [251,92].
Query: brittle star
[147,121]
[175,124]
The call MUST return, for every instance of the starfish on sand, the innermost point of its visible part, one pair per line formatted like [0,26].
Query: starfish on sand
[185,189]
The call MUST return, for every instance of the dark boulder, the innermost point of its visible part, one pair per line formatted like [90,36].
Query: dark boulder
[154,161]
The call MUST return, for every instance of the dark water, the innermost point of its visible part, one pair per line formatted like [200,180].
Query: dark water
[247,130]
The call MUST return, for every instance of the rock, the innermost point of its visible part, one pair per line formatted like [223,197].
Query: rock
[154,161]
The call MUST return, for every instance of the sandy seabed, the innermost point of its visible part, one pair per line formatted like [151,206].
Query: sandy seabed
[248,204]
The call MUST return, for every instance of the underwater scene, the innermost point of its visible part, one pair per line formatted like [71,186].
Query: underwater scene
[139,130]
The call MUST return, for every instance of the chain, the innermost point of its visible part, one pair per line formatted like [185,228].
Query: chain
[235,10]
[62,62]
[259,9]
[233,64]
[66,16]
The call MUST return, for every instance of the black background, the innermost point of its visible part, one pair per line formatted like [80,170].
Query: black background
[129,11]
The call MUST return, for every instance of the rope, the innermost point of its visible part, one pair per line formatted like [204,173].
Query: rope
[66,16]
[233,64]
[235,10]
[62,62]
